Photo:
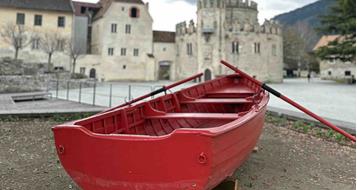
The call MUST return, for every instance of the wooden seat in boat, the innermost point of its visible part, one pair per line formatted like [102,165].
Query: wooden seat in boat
[233,91]
[218,101]
[224,116]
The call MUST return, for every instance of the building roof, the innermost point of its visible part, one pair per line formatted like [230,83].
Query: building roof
[164,36]
[324,40]
[48,5]
[105,4]
[78,7]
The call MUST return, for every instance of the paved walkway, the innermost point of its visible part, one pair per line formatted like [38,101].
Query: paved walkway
[8,106]
[326,98]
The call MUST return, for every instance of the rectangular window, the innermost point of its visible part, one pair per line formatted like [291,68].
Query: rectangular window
[128,29]
[256,47]
[82,70]
[35,43]
[114,28]
[347,73]
[37,20]
[189,48]
[20,18]
[110,51]
[61,22]
[273,49]
[136,52]
[60,44]
[123,51]
[235,47]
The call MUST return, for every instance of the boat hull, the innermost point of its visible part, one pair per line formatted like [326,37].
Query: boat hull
[192,159]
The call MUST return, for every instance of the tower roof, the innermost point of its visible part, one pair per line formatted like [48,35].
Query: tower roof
[48,5]
[105,4]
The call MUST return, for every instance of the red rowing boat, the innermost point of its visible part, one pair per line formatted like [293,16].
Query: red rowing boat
[191,139]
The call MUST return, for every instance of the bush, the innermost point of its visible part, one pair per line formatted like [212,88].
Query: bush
[78,76]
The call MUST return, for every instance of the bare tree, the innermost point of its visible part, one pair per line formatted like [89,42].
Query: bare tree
[74,51]
[16,36]
[50,43]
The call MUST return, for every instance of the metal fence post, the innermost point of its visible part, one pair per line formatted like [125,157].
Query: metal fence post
[94,91]
[80,92]
[110,95]
[57,84]
[152,89]
[129,92]
[67,95]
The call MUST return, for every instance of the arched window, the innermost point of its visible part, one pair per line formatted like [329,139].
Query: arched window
[134,12]
[92,73]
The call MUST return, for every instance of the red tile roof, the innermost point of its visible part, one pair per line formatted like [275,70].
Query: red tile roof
[324,40]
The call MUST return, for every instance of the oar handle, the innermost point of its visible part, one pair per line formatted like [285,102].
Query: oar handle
[291,102]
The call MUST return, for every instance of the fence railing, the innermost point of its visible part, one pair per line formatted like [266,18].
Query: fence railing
[98,93]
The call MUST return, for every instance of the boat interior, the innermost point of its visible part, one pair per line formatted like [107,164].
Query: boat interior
[206,105]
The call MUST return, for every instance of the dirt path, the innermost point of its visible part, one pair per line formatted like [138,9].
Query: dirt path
[285,160]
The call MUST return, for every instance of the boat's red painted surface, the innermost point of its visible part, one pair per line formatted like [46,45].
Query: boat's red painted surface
[192,139]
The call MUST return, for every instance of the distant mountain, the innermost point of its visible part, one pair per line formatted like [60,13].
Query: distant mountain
[305,19]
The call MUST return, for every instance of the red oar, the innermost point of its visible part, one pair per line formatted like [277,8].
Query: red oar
[291,102]
[163,89]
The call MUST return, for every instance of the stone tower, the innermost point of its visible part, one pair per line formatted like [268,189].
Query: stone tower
[229,30]
[210,21]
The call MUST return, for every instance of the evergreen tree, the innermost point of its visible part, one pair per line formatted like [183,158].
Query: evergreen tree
[341,20]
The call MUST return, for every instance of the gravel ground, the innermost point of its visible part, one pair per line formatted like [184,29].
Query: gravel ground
[285,159]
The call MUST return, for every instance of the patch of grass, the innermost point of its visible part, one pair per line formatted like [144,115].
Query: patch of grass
[320,133]
[306,128]
[339,137]
[298,125]
[277,120]
[330,133]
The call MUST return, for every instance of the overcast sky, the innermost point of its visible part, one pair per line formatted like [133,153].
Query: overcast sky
[167,13]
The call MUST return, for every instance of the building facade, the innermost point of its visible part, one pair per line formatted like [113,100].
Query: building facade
[229,30]
[37,18]
[124,47]
[121,43]
[333,68]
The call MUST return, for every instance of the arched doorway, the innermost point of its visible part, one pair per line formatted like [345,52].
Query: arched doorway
[92,73]
[164,70]
[208,75]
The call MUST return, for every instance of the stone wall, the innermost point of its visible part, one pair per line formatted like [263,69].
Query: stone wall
[27,83]
[9,66]
[337,70]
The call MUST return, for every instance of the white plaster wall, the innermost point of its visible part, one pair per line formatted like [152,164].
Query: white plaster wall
[337,69]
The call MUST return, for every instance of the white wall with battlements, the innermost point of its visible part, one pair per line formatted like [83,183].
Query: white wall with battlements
[223,24]
[186,62]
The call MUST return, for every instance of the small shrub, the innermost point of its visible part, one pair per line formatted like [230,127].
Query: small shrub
[78,76]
